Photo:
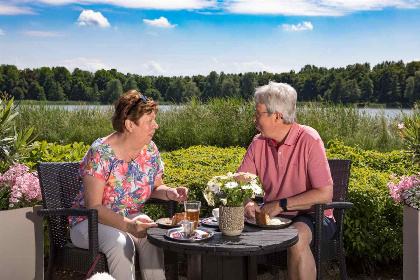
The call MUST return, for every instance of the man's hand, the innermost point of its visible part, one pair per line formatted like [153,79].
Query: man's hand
[272,209]
[250,208]
[179,194]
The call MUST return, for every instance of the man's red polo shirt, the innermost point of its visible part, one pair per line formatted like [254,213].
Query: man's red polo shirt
[298,165]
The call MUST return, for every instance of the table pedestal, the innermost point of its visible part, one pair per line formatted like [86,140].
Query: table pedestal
[210,267]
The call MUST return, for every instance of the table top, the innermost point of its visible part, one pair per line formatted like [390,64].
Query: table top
[252,241]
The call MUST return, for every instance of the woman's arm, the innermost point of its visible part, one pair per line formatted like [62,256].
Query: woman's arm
[93,189]
[161,191]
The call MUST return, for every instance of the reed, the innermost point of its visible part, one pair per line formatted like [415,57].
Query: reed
[218,122]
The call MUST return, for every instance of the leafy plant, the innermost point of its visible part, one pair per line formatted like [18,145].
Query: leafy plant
[13,143]
[410,132]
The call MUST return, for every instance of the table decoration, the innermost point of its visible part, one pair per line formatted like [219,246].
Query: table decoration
[229,192]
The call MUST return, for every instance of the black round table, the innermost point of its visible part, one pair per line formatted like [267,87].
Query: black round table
[227,257]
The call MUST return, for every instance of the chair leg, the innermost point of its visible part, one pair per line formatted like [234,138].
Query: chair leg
[342,262]
[318,264]
[51,269]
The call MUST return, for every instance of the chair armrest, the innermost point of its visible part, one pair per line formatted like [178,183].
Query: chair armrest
[171,204]
[92,217]
[336,205]
[66,212]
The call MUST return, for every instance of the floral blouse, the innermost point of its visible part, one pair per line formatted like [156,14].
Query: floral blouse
[127,184]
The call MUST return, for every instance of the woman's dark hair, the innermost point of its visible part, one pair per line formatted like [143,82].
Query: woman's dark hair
[132,105]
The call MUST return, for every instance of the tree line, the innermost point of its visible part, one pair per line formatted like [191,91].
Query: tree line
[387,82]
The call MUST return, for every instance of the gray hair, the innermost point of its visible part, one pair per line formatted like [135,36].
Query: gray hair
[278,97]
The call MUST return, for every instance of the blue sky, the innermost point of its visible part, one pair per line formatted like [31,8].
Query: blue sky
[189,37]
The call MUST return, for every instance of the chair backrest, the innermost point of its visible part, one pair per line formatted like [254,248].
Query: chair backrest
[340,173]
[59,186]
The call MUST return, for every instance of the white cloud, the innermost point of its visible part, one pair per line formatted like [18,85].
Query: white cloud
[253,66]
[86,64]
[9,9]
[313,8]
[161,22]
[37,33]
[2,32]
[89,17]
[144,4]
[153,68]
[302,26]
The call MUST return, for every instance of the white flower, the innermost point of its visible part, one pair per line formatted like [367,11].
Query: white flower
[231,185]
[255,188]
[400,126]
[246,187]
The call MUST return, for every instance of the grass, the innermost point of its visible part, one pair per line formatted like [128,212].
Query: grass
[219,122]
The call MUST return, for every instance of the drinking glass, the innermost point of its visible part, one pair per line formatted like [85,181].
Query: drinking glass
[192,211]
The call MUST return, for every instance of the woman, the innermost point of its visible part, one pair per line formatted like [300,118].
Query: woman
[119,173]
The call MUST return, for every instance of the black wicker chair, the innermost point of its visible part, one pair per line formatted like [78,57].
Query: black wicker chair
[59,186]
[330,249]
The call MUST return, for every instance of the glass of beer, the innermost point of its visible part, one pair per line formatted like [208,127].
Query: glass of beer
[192,211]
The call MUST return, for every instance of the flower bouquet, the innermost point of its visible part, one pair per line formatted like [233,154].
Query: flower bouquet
[231,189]
[407,190]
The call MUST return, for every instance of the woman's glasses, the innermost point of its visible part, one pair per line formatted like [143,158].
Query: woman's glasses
[142,98]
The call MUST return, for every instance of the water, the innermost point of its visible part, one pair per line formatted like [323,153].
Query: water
[389,113]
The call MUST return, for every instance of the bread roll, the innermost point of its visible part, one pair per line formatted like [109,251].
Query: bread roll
[261,218]
[177,218]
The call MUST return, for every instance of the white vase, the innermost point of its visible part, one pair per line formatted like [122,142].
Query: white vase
[411,255]
[231,220]
[21,244]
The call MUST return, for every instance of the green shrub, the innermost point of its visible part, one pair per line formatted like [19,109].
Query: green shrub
[373,228]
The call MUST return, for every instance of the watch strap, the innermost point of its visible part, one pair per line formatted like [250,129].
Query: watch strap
[283,204]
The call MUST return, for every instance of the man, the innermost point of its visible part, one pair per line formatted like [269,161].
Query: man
[292,166]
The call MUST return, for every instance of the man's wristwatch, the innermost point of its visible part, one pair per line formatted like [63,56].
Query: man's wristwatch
[283,204]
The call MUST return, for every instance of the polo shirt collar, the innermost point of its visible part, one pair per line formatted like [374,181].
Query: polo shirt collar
[291,137]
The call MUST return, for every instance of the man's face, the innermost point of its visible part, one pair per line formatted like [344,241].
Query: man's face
[264,122]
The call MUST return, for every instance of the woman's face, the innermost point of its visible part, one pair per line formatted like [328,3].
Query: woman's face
[144,128]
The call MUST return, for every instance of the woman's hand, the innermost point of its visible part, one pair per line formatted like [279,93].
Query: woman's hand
[138,226]
[179,194]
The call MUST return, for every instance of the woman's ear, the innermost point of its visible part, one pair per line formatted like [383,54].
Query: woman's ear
[279,116]
[128,125]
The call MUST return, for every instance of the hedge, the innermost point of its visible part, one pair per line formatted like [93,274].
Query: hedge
[373,229]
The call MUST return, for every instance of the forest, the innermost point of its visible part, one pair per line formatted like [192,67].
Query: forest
[389,82]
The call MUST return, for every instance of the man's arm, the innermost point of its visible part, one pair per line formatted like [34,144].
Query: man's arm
[301,201]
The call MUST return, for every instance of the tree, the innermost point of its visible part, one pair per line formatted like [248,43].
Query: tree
[154,94]
[200,81]
[63,77]
[56,92]
[351,92]
[229,88]
[248,85]
[17,93]
[366,89]
[190,91]
[10,77]
[144,83]
[334,94]
[101,79]
[175,90]
[212,87]
[112,92]
[36,92]
[162,85]
[130,84]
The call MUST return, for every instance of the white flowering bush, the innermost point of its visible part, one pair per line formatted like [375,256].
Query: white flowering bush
[231,189]
[19,187]
[407,190]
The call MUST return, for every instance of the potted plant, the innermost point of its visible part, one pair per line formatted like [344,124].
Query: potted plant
[229,192]
[407,191]
[21,228]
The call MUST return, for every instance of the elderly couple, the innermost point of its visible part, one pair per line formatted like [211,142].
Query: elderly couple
[122,170]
